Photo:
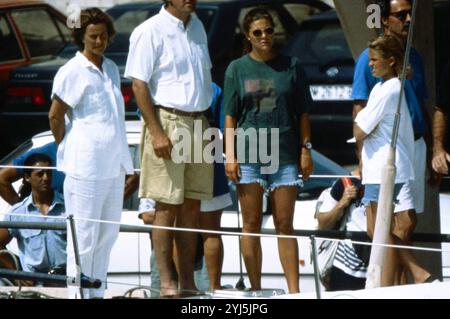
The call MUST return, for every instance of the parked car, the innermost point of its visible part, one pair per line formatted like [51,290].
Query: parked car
[30,31]
[325,56]
[30,87]
[135,268]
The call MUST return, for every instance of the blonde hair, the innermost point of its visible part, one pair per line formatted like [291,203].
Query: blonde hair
[390,46]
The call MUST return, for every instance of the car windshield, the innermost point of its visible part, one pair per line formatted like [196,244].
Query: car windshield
[320,43]
[126,20]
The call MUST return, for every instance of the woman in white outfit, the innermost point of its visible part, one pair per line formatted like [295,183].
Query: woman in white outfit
[88,122]
[373,126]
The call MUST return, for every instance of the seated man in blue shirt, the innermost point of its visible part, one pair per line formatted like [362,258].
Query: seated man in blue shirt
[39,250]
[9,175]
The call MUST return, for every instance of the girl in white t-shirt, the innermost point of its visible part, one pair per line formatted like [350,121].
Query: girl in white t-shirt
[374,124]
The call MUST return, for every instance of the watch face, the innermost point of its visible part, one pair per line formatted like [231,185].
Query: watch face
[308,145]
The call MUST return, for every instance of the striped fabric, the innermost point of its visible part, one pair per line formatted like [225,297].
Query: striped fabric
[348,261]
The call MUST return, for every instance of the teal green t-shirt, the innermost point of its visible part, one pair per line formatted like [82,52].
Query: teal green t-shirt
[268,95]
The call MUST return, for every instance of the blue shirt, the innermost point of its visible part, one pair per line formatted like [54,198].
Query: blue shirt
[415,89]
[216,107]
[220,179]
[39,250]
[49,150]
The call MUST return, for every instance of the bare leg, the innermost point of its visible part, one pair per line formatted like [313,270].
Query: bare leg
[283,203]
[163,240]
[212,247]
[186,244]
[250,197]
[404,224]
[371,218]
[391,261]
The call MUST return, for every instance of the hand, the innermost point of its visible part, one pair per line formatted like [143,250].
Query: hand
[306,164]
[439,161]
[349,194]
[232,171]
[162,145]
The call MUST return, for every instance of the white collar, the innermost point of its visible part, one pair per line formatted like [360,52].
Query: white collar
[84,61]
[174,20]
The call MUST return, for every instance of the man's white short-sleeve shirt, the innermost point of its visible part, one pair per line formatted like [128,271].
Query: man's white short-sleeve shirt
[173,60]
[95,145]
[377,120]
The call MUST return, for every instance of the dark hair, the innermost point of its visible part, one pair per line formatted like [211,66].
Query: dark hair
[256,14]
[35,158]
[25,188]
[92,16]
[253,15]
[390,46]
[385,6]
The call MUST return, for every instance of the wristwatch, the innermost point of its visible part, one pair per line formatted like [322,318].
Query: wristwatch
[307,145]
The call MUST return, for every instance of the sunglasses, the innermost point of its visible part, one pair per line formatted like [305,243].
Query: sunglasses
[401,15]
[258,33]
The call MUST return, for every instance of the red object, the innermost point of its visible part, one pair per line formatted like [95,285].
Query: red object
[346,181]
[36,94]
[127,93]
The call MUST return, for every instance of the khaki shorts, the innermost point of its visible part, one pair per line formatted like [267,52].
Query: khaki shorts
[167,181]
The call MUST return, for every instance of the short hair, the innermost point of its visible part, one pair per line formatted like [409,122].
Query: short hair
[390,46]
[385,7]
[36,158]
[92,16]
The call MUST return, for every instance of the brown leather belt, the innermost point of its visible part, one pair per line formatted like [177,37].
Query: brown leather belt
[181,113]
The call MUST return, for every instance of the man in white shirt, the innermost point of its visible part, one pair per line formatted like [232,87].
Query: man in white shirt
[170,67]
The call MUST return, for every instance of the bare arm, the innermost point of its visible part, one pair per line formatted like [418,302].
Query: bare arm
[358,105]
[329,220]
[131,184]
[5,259]
[161,143]
[5,238]
[359,134]
[306,162]
[7,177]
[231,165]
[440,156]
[56,118]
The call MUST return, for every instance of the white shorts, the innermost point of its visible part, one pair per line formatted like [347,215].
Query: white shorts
[146,205]
[216,203]
[412,194]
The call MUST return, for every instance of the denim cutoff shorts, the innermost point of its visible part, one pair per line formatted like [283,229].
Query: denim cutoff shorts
[286,175]
[371,192]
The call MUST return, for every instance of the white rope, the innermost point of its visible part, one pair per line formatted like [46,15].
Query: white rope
[385,245]
[42,167]
[228,233]
[138,170]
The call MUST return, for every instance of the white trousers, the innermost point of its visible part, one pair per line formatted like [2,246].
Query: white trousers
[101,200]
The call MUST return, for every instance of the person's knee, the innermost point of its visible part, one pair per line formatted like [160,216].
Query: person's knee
[284,227]
[404,224]
[252,220]
[148,217]
[252,224]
